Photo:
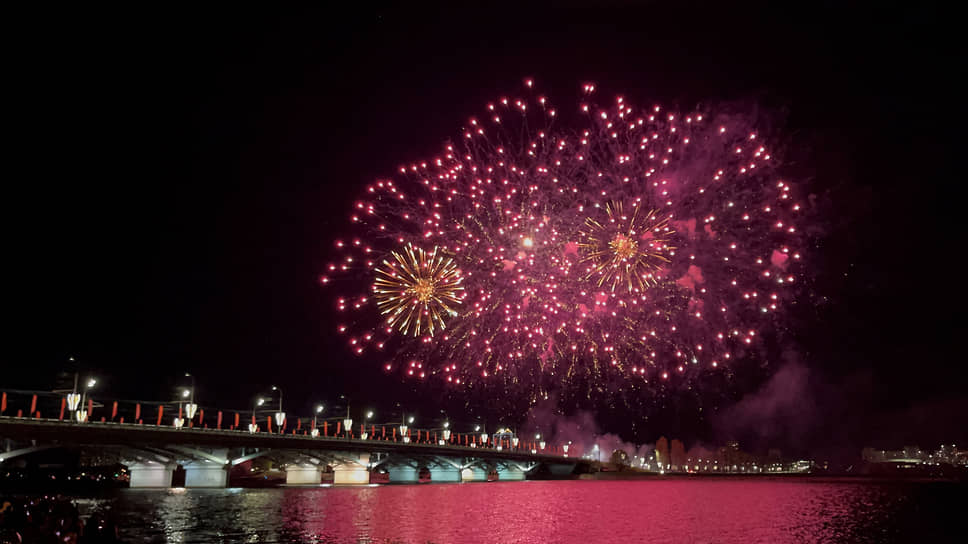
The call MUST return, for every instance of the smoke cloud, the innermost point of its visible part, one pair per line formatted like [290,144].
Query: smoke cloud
[580,430]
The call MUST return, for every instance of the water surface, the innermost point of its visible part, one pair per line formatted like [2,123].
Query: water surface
[568,512]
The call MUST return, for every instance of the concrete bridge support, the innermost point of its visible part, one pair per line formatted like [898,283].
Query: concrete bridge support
[352,469]
[307,474]
[510,474]
[441,475]
[513,472]
[474,473]
[150,474]
[404,474]
[205,474]
[204,468]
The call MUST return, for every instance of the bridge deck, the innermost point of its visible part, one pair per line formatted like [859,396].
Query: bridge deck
[127,434]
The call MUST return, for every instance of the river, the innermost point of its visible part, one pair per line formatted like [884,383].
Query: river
[723,510]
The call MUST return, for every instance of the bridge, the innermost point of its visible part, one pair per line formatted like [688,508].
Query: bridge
[152,451]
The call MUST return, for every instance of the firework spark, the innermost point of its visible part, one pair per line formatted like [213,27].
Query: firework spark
[417,290]
[639,249]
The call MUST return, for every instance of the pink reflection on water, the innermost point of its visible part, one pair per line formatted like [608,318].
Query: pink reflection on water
[573,512]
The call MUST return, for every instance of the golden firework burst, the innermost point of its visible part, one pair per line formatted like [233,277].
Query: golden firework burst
[627,249]
[417,290]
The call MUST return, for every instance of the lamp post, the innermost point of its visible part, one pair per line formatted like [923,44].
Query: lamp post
[253,426]
[473,444]
[369,415]
[191,407]
[404,428]
[314,432]
[81,413]
[280,415]
[178,420]
[347,422]
[73,398]
[446,433]
[541,443]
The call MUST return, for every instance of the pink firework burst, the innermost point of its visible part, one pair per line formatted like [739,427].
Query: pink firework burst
[645,244]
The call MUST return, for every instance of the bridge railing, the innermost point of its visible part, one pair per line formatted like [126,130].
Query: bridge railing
[49,406]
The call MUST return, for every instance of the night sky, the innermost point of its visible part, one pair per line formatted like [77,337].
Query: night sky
[178,177]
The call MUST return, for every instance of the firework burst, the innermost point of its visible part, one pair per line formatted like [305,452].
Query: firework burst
[640,249]
[627,250]
[417,290]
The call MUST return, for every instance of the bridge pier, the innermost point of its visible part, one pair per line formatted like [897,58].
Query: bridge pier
[473,474]
[150,474]
[352,470]
[440,475]
[404,474]
[303,475]
[205,474]
[510,474]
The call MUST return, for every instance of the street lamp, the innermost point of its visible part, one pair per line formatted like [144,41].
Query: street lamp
[446,434]
[369,415]
[80,413]
[404,428]
[347,421]
[280,415]
[191,407]
[178,421]
[541,443]
[74,398]
[314,432]
[253,426]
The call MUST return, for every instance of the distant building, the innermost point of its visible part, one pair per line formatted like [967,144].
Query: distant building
[677,454]
[947,454]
